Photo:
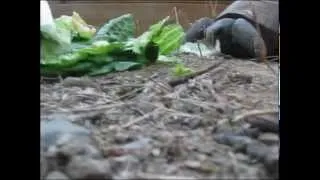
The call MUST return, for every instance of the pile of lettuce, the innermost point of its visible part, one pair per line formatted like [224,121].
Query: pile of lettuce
[71,47]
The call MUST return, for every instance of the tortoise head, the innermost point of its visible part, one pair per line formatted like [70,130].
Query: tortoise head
[197,29]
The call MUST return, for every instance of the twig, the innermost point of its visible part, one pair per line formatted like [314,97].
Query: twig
[138,27]
[176,14]
[182,80]
[201,104]
[130,123]
[253,113]
[140,112]
[198,44]
[135,91]
[49,79]
[213,10]
[168,89]
[124,86]
[267,57]
[98,108]
[263,124]
[215,6]
[161,177]
[171,110]
[139,119]
[184,16]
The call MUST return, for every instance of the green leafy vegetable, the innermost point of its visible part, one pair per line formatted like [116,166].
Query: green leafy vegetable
[117,30]
[181,70]
[102,70]
[112,48]
[151,43]
[118,66]
[170,38]
[55,33]
[83,30]
[64,22]
[101,48]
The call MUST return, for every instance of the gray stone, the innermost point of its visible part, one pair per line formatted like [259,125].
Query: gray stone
[124,163]
[269,138]
[81,167]
[84,146]
[52,130]
[56,175]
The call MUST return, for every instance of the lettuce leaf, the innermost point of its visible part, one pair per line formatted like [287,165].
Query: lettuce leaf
[169,39]
[83,30]
[181,70]
[57,37]
[138,44]
[117,30]
[113,48]
[76,26]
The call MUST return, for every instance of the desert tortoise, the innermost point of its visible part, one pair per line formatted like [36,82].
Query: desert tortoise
[245,29]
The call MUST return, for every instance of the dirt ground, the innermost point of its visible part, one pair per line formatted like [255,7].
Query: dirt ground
[221,124]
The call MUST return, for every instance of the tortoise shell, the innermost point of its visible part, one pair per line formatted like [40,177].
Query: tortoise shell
[261,13]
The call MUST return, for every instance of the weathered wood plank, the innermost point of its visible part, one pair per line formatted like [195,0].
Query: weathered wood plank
[146,13]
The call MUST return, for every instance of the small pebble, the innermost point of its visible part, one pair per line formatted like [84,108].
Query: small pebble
[56,175]
[269,138]
[115,128]
[238,142]
[201,157]
[155,152]
[192,164]
[206,148]
[172,169]
[180,134]
[265,123]
[257,150]
[163,136]
[135,127]
[242,157]
[240,78]
[121,138]
[251,132]
[202,167]
[138,144]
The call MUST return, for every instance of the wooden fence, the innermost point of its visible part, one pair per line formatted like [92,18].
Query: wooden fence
[96,12]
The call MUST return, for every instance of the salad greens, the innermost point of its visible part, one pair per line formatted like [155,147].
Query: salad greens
[72,47]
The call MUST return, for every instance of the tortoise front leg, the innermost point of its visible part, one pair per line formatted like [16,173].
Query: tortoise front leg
[247,37]
[220,30]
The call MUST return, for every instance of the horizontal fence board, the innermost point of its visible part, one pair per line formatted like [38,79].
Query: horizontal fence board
[146,13]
